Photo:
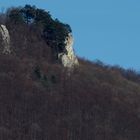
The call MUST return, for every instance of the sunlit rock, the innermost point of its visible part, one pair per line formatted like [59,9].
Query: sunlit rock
[68,58]
[5,39]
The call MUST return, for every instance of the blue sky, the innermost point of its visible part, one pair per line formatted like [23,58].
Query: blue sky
[108,30]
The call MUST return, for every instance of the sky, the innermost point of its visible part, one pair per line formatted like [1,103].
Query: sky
[106,30]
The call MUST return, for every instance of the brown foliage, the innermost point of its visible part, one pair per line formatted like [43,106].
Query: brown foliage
[95,102]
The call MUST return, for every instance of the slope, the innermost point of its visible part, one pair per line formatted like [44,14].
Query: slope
[39,100]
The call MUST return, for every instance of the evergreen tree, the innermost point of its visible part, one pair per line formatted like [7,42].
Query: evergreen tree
[28,13]
[52,30]
[15,15]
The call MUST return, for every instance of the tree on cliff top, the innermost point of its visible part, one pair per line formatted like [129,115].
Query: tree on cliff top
[52,30]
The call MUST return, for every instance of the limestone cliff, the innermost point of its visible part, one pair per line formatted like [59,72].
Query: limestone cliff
[5,39]
[68,58]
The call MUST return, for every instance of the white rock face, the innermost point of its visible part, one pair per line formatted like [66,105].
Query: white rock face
[68,59]
[6,39]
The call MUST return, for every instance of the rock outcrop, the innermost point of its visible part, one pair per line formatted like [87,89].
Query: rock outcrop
[68,58]
[5,39]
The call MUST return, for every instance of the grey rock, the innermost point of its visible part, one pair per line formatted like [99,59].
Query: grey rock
[68,58]
[5,38]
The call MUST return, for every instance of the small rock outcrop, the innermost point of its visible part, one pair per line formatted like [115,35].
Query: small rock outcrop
[5,39]
[68,58]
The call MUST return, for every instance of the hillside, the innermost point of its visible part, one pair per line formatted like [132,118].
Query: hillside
[40,99]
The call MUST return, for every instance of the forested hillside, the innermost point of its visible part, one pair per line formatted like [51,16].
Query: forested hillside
[42,100]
